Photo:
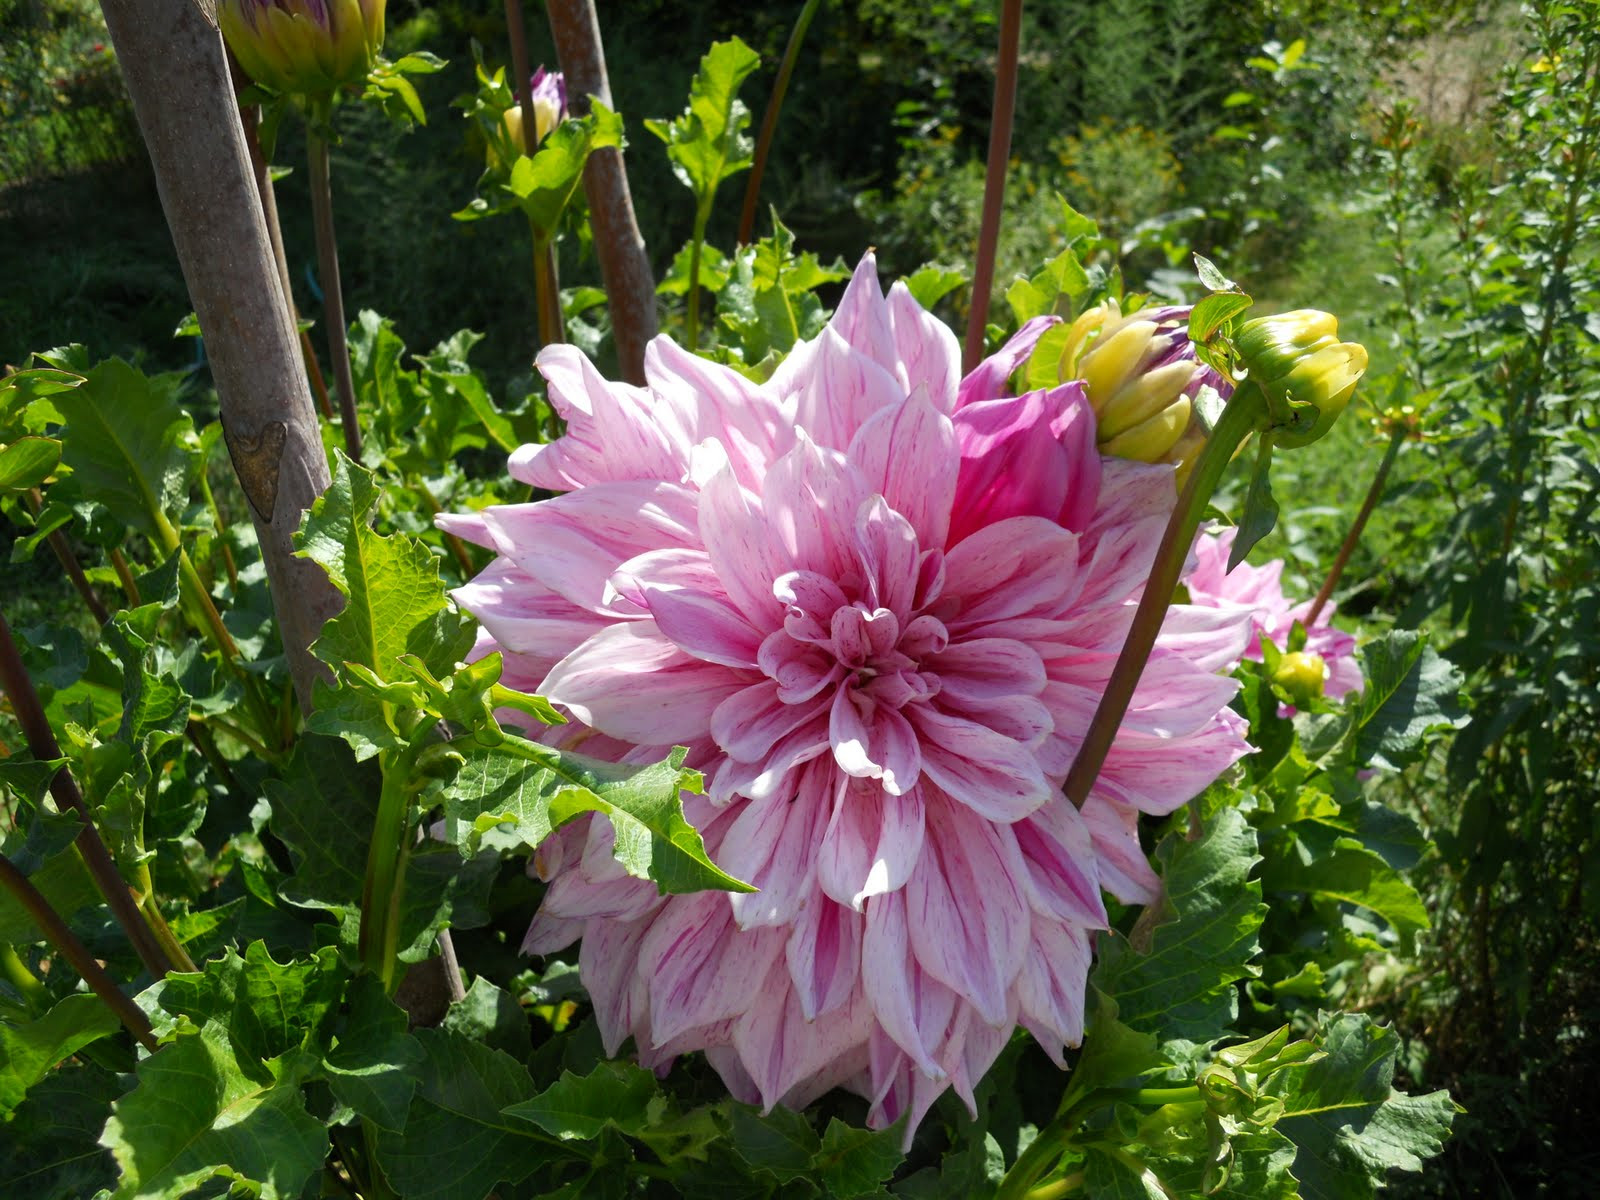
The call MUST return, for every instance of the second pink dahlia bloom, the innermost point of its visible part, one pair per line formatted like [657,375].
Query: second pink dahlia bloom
[879,603]
[1259,591]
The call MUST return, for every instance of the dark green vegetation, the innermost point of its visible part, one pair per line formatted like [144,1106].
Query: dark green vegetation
[1383,170]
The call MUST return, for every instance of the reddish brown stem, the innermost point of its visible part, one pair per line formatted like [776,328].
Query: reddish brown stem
[69,563]
[74,951]
[42,744]
[994,184]
[1374,493]
[769,122]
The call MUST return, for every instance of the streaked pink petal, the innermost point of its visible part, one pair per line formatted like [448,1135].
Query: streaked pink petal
[907,454]
[872,843]
[929,355]
[995,777]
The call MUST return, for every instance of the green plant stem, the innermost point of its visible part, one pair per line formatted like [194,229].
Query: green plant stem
[691,329]
[74,951]
[1246,412]
[994,185]
[1056,1189]
[101,866]
[62,549]
[130,589]
[332,293]
[197,597]
[547,291]
[16,971]
[1396,437]
[221,526]
[769,120]
[158,924]
[387,855]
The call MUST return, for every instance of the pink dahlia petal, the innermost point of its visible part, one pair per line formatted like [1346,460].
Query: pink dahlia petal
[1051,987]
[863,318]
[1026,566]
[988,379]
[993,775]
[1062,872]
[632,683]
[772,844]
[700,966]
[714,401]
[872,843]
[906,454]
[781,1047]
[614,431]
[1125,872]
[811,499]
[824,957]
[911,1006]
[735,536]
[606,963]
[839,389]
[929,357]
[681,590]
[873,741]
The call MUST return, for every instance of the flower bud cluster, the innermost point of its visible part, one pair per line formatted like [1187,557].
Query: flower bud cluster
[549,99]
[1297,358]
[303,47]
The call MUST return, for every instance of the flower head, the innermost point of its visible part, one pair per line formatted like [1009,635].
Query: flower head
[1259,591]
[1297,358]
[1142,379]
[879,603]
[548,95]
[303,47]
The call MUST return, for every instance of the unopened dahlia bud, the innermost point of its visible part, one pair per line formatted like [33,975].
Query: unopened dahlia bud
[1142,380]
[549,98]
[1297,358]
[1303,675]
[303,47]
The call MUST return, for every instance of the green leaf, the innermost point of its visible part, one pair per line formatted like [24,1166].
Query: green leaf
[513,796]
[26,463]
[1056,291]
[323,805]
[1350,1127]
[931,284]
[28,1051]
[706,142]
[544,185]
[197,1115]
[457,1143]
[1410,693]
[373,1061]
[619,1095]
[1201,937]
[1260,509]
[395,600]
[1120,1176]
[853,1161]
[1215,311]
[781,1144]
[1213,279]
[52,1148]
[1354,874]
[491,1015]
[131,446]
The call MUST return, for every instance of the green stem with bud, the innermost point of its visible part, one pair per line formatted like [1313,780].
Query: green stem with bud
[691,329]
[769,121]
[328,268]
[1246,412]
[1359,525]
[389,851]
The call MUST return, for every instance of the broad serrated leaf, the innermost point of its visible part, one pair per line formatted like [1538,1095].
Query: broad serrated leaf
[931,284]
[1118,1175]
[513,796]
[618,1095]
[373,1061]
[781,1144]
[1201,937]
[443,891]
[1354,874]
[52,1147]
[197,1115]
[457,1143]
[28,1051]
[395,601]
[1409,693]
[322,807]
[706,142]
[1349,1126]
[1055,291]
[853,1162]
[491,1015]
[130,445]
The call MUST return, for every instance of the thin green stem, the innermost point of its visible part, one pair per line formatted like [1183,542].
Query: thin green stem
[151,909]
[769,121]
[691,331]
[74,951]
[994,187]
[328,268]
[1374,492]
[1056,1189]
[387,855]
[547,291]
[130,588]
[1246,412]
[33,993]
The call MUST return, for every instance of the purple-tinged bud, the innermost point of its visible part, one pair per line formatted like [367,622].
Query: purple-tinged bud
[303,47]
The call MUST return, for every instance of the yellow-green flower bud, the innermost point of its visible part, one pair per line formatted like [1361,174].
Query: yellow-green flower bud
[303,47]
[549,98]
[1302,676]
[1297,358]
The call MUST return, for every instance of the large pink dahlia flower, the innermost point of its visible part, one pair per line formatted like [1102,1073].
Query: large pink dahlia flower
[879,603]
[1259,591]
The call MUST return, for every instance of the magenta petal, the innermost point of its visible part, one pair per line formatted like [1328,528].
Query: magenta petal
[872,843]
[607,962]
[907,454]
[1125,872]
[1024,566]
[1063,880]
[967,909]
[824,956]
[715,401]
[748,723]
[862,318]
[735,536]
[930,356]
[811,498]
[840,387]
[988,669]
[781,1047]
[980,769]
[988,378]
[682,592]
[632,683]
[889,555]
[772,844]
[873,741]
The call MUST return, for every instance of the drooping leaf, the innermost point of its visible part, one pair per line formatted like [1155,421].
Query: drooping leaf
[1201,937]
[28,1051]
[371,1066]
[457,1143]
[1349,1126]
[853,1162]
[513,796]
[1410,693]
[618,1095]
[323,808]
[196,1115]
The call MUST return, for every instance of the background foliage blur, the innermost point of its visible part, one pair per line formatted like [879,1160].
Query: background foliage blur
[1425,170]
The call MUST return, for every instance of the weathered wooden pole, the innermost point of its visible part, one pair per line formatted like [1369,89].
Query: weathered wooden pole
[172,57]
[624,265]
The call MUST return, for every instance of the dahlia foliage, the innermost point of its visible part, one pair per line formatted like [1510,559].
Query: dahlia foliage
[879,603]
[1259,590]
